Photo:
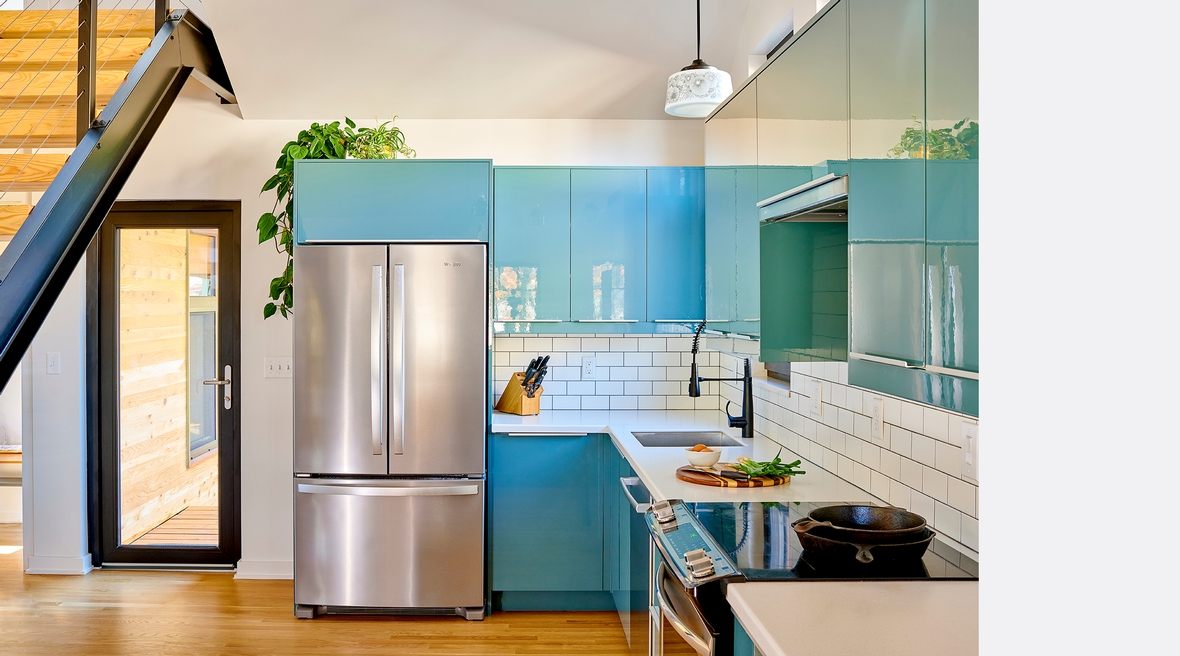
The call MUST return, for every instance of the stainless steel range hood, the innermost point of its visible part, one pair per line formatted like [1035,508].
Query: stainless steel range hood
[822,199]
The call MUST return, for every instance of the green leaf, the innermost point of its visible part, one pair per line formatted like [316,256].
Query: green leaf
[269,310]
[270,184]
[284,311]
[276,287]
[267,221]
[349,122]
[288,296]
[268,234]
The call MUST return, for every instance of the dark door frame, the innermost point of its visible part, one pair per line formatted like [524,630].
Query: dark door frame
[102,375]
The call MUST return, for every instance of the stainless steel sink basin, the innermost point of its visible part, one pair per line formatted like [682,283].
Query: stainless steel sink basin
[687,438]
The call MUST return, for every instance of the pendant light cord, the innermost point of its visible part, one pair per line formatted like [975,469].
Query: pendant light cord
[698,29]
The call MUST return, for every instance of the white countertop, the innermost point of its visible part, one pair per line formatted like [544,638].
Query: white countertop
[850,618]
[656,466]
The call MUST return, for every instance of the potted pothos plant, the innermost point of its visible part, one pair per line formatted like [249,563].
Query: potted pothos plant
[326,141]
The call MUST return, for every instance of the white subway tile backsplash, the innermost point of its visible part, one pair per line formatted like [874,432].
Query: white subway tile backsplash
[893,411]
[555,388]
[922,449]
[653,403]
[891,464]
[844,419]
[862,427]
[899,494]
[934,484]
[653,373]
[595,403]
[509,343]
[624,403]
[579,387]
[840,396]
[935,423]
[969,532]
[961,495]
[947,521]
[624,343]
[948,458]
[624,373]
[565,373]
[559,343]
[854,400]
[595,343]
[862,477]
[608,388]
[637,359]
[899,440]
[911,473]
[911,416]
[652,344]
[566,402]
[680,403]
[538,343]
[665,359]
[923,505]
[637,388]
[878,484]
[608,359]
[669,388]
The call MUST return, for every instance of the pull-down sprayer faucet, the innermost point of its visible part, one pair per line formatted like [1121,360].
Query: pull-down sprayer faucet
[744,422]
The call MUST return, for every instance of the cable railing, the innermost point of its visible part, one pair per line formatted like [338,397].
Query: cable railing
[61,61]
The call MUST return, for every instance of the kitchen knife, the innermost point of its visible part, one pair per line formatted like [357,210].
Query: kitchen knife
[530,370]
[536,381]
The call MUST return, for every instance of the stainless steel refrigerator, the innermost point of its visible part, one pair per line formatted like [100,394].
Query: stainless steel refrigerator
[391,407]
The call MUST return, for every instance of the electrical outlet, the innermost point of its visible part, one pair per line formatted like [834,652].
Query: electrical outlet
[277,367]
[589,366]
[53,363]
[971,451]
[877,406]
[815,391]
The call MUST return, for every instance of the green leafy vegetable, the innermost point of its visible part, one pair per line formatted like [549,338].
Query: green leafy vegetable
[775,467]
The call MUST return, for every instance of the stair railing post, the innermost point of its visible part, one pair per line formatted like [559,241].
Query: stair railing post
[87,36]
[161,13]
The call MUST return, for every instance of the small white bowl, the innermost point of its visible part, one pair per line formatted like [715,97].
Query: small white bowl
[703,458]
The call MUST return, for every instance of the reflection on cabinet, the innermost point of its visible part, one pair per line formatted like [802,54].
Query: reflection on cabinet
[675,244]
[532,236]
[720,244]
[804,292]
[747,250]
[609,226]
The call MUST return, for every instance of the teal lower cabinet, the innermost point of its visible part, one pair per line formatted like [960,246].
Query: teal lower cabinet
[628,549]
[546,522]
[804,292]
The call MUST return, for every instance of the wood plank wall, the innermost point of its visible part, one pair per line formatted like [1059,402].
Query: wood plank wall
[156,481]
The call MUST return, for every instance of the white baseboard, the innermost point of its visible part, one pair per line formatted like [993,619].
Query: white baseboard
[265,569]
[13,517]
[59,565]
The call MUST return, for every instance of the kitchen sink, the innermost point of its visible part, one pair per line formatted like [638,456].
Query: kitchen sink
[687,438]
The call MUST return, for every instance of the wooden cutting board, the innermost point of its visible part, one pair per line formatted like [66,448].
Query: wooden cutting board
[693,475]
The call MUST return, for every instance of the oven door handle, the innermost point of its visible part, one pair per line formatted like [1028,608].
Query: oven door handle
[629,482]
[699,644]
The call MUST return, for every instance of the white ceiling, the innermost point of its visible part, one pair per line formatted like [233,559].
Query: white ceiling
[537,59]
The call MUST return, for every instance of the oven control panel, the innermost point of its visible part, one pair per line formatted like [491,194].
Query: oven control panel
[687,548]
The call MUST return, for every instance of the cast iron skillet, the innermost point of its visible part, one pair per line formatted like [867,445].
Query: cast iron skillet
[825,548]
[863,524]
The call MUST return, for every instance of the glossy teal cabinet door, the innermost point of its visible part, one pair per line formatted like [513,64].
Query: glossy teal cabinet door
[720,244]
[774,180]
[628,541]
[608,232]
[746,303]
[886,208]
[392,200]
[532,246]
[546,513]
[675,244]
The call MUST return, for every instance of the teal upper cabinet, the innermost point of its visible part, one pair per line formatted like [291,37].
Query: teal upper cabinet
[675,244]
[952,186]
[532,245]
[803,104]
[720,245]
[608,232]
[731,222]
[886,207]
[392,200]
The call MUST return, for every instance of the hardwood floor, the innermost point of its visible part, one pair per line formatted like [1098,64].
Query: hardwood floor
[193,525]
[121,612]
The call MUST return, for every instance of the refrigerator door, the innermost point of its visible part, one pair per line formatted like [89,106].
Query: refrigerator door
[438,351]
[409,543]
[340,359]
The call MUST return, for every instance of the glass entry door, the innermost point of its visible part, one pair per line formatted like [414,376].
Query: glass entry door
[168,355]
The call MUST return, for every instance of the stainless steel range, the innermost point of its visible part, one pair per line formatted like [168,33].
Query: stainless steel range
[391,408]
[700,548]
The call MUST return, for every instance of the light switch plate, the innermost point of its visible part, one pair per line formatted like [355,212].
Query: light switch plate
[277,367]
[53,363]
[589,365]
[971,451]
[877,406]
[815,394]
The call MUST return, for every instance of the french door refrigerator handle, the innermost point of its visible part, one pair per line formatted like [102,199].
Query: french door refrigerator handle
[367,491]
[377,357]
[398,339]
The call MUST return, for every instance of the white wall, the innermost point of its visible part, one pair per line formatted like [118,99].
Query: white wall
[203,150]
[54,469]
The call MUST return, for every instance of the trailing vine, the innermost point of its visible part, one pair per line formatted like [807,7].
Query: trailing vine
[327,141]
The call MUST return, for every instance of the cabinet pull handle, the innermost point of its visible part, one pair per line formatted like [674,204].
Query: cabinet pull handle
[606,320]
[949,371]
[883,360]
[547,434]
[629,482]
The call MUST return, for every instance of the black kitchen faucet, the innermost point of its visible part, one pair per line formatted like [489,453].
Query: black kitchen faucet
[744,422]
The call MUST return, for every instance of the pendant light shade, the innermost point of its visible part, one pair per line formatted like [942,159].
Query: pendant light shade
[698,88]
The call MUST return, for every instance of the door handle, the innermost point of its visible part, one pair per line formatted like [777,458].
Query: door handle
[227,386]
[629,482]
[895,362]
[699,644]
[368,491]
[398,340]
[377,357]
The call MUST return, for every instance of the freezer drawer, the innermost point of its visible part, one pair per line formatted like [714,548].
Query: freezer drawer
[389,543]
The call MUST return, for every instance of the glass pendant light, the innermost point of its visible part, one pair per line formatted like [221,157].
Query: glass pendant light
[698,88]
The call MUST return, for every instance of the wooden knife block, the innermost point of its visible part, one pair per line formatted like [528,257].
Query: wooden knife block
[515,401]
